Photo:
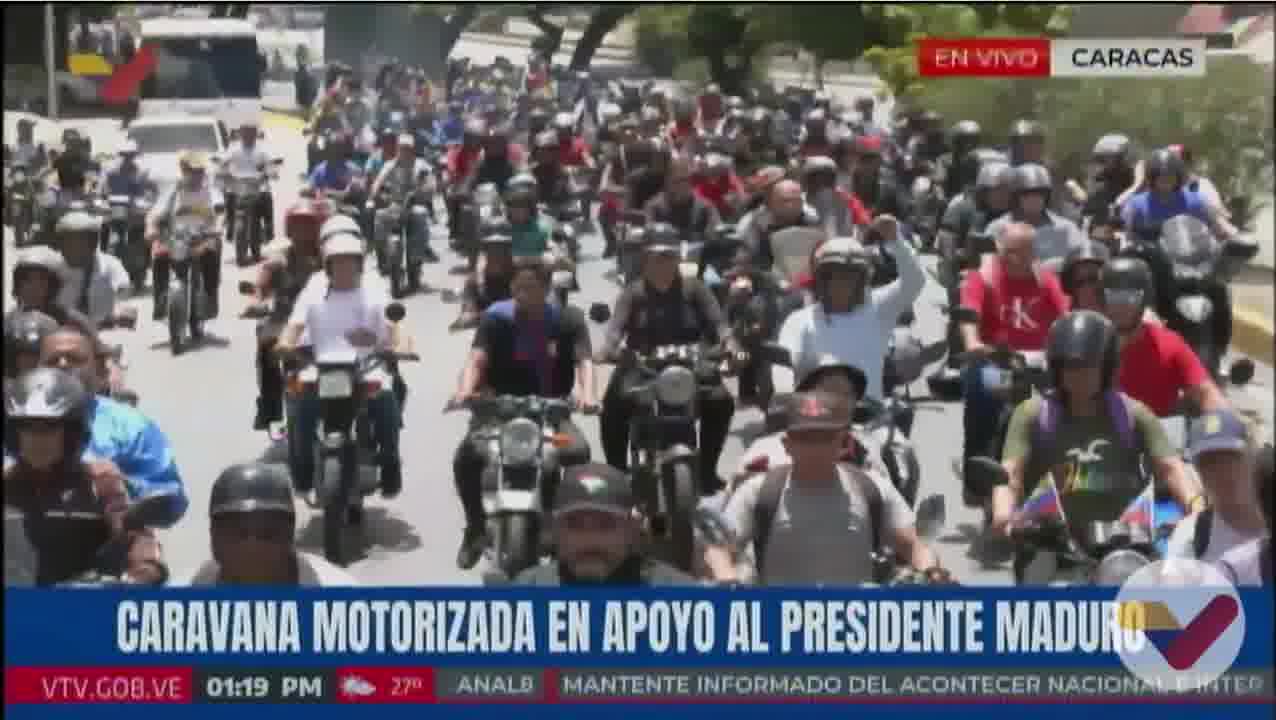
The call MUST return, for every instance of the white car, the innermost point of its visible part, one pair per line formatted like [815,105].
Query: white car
[46,131]
[161,139]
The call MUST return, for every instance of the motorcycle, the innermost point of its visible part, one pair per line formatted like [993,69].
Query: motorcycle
[187,299]
[22,191]
[1103,554]
[664,459]
[402,258]
[928,208]
[630,237]
[247,190]
[1196,260]
[346,444]
[125,239]
[519,437]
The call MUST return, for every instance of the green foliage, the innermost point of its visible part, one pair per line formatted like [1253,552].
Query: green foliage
[1225,117]
[660,37]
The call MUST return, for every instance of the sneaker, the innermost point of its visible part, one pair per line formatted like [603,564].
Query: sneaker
[159,312]
[473,543]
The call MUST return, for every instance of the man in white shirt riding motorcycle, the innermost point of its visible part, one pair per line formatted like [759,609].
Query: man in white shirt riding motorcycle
[246,161]
[94,279]
[337,318]
[849,320]
[192,199]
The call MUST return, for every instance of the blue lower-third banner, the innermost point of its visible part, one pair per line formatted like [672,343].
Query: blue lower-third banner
[463,646]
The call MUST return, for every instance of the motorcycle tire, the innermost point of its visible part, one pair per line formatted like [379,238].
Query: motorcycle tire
[683,495]
[242,245]
[176,322]
[335,510]
[414,277]
[517,546]
[398,280]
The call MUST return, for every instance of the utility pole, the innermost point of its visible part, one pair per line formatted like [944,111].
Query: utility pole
[50,60]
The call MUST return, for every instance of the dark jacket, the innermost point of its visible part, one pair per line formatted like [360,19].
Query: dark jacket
[636,571]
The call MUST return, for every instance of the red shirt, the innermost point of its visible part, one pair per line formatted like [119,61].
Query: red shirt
[680,132]
[572,154]
[1017,312]
[1157,366]
[460,161]
[859,214]
[715,191]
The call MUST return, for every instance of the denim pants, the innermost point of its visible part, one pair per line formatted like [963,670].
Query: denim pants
[383,412]
[980,414]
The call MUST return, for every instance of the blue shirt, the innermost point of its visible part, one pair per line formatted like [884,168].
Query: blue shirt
[335,177]
[1146,212]
[137,446]
[118,182]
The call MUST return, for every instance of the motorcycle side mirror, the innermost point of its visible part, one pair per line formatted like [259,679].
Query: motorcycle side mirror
[599,313]
[777,354]
[906,318]
[983,475]
[1241,372]
[395,312]
[148,512]
[247,288]
[277,161]
[932,516]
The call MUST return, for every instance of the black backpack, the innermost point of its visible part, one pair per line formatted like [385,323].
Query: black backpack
[769,503]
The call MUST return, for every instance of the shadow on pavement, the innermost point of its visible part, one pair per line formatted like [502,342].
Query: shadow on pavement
[379,530]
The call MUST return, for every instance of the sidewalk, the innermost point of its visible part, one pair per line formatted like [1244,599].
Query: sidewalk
[1253,299]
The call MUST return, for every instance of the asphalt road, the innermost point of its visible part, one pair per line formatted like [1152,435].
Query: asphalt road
[204,400]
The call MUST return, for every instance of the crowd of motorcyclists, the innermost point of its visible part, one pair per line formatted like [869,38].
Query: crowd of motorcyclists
[752,236]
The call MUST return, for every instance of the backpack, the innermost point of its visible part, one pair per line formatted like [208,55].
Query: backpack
[769,504]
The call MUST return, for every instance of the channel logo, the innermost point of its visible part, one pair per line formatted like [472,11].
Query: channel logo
[1192,621]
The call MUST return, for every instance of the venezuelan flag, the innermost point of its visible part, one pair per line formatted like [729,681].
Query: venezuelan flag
[1142,509]
[1042,507]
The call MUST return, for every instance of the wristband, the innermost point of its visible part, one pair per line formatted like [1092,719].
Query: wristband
[1197,504]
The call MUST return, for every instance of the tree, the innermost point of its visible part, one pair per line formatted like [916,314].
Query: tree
[456,18]
[604,19]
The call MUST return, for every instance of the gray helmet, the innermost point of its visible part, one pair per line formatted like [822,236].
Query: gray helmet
[48,394]
[661,237]
[337,225]
[993,175]
[1112,145]
[842,251]
[817,164]
[77,221]
[1031,177]
[828,364]
[26,330]
[251,487]
[41,257]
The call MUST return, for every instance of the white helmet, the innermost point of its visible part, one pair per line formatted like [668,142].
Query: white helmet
[343,244]
[129,148]
[339,224]
[77,221]
[564,121]
[609,111]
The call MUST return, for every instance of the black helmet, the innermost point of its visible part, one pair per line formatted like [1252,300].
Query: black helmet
[661,236]
[520,197]
[251,487]
[47,394]
[1088,252]
[993,175]
[26,330]
[827,365]
[498,226]
[1031,177]
[967,133]
[1128,281]
[1082,338]
[1027,130]
[1163,162]
[931,118]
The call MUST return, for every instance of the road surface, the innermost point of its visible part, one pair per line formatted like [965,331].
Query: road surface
[204,401]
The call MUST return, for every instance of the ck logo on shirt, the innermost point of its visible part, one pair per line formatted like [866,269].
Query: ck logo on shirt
[1018,313]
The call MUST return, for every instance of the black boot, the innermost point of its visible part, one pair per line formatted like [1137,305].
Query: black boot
[391,478]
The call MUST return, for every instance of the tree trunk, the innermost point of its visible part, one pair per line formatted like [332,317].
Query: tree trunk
[600,24]
[552,33]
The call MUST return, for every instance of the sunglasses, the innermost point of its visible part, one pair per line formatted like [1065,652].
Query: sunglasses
[591,521]
[1123,297]
[262,527]
[1087,278]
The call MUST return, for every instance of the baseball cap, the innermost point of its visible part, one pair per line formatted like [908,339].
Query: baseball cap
[1215,431]
[594,486]
[817,411]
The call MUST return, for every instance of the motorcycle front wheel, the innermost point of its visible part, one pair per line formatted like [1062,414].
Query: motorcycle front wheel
[682,496]
[517,543]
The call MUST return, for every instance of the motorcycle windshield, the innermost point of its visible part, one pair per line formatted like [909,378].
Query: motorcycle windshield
[792,249]
[1187,241]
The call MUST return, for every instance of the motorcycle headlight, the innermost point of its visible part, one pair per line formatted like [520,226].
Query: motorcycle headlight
[520,441]
[1194,308]
[19,175]
[676,386]
[1118,567]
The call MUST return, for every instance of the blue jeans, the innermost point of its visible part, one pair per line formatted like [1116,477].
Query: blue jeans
[383,412]
[981,412]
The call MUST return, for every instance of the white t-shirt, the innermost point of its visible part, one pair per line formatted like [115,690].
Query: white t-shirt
[313,570]
[109,279]
[329,315]
[1243,565]
[244,162]
[1223,537]
[859,338]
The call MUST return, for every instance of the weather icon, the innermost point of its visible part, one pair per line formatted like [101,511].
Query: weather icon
[355,686]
